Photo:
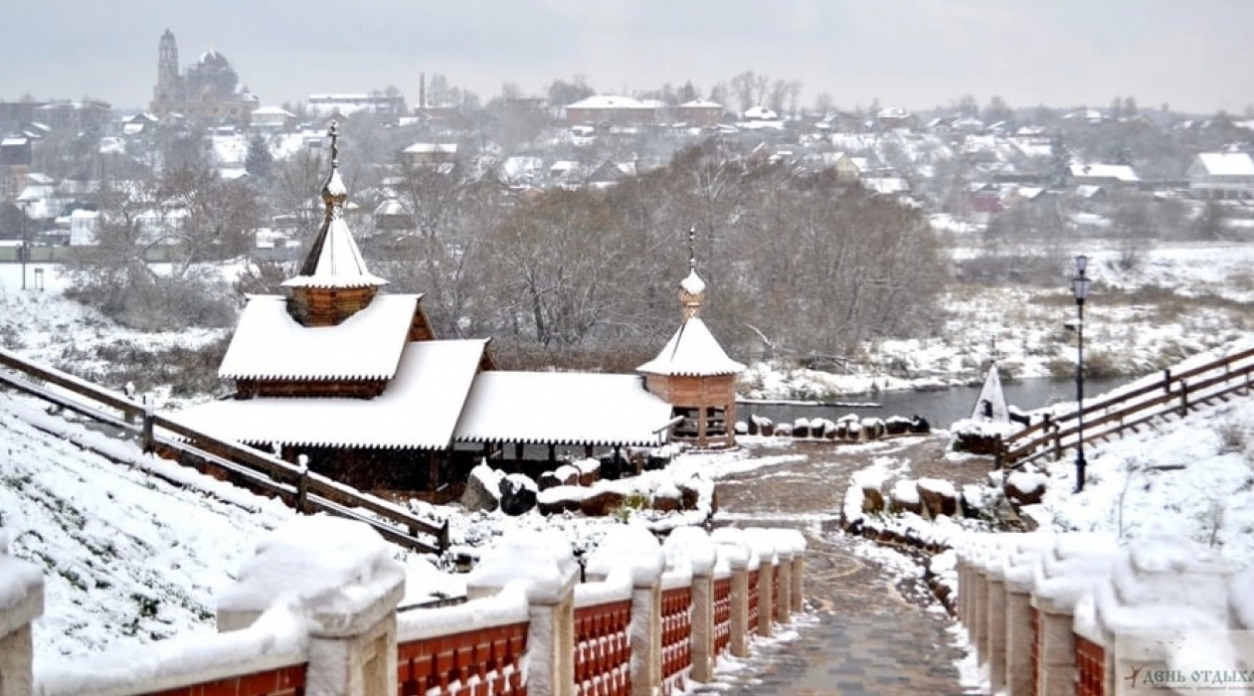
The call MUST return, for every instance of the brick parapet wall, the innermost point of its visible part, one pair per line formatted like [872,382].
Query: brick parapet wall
[603,649]
[472,663]
[753,603]
[676,639]
[1090,660]
[282,681]
[722,614]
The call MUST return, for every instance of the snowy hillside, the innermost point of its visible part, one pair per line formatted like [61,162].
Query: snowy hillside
[129,558]
[1193,477]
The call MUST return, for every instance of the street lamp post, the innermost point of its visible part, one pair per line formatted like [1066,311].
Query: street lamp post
[21,252]
[1080,288]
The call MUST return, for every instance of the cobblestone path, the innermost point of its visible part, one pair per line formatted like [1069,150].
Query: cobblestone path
[867,630]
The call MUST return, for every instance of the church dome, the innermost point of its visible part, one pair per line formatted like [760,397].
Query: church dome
[213,59]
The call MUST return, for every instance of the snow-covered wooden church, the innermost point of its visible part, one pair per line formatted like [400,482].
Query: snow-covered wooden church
[357,381]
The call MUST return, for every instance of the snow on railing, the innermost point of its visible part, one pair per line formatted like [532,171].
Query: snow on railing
[322,593]
[1162,609]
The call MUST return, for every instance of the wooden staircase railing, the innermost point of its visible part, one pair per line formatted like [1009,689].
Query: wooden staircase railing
[1172,394]
[295,485]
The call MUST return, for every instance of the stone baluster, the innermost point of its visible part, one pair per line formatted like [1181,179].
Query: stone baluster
[339,576]
[20,604]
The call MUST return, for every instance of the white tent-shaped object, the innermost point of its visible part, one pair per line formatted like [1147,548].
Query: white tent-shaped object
[991,406]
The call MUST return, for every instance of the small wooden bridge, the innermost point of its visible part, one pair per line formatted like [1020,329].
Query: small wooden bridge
[249,468]
[1173,395]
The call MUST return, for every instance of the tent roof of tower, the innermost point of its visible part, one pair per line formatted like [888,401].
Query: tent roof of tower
[692,351]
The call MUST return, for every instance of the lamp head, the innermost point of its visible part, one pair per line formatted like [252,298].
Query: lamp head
[1081,263]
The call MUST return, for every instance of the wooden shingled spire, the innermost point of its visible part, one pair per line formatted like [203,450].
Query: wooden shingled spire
[333,283]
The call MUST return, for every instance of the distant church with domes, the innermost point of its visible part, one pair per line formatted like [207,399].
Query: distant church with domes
[209,89]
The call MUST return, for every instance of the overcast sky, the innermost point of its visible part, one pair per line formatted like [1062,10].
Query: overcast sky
[1194,56]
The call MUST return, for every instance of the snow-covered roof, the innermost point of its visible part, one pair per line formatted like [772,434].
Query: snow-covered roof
[431,148]
[886,184]
[1118,172]
[334,259]
[760,113]
[419,409]
[1226,163]
[273,111]
[390,206]
[270,344]
[608,101]
[693,350]
[562,408]
[701,104]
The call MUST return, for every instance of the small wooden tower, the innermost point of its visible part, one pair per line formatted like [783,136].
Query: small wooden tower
[333,284]
[693,373]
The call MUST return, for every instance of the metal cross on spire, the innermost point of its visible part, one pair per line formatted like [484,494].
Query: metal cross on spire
[335,147]
[692,245]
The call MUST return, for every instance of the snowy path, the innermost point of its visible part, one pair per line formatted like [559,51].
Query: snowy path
[871,626]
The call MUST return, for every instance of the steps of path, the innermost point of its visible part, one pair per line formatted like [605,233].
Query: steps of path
[871,627]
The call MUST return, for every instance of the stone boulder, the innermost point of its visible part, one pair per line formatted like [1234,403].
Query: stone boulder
[905,497]
[783,430]
[548,480]
[518,495]
[555,501]
[567,475]
[667,498]
[896,425]
[601,503]
[939,497]
[872,499]
[872,428]
[761,425]
[801,428]
[1025,487]
[483,490]
[589,471]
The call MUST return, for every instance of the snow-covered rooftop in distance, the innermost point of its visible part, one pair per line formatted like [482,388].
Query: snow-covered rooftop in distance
[701,104]
[693,350]
[337,262]
[760,113]
[419,409]
[272,111]
[431,148]
[270,344]
[1227,163]
[608,101]
[562,408]
[1118,172]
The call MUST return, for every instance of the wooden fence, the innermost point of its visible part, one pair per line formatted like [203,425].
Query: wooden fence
[1172,395]
[295,485]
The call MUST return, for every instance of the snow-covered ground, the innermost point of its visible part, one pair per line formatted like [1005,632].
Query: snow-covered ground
[131,558]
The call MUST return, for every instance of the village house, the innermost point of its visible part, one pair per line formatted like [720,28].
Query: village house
[1221,175]
[610,111]
[429,154]
[700,112]
[1106,175]
[356,381]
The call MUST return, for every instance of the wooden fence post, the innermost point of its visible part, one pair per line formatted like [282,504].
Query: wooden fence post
[146,431]
[1167,380]
[302,483]
[1184,399]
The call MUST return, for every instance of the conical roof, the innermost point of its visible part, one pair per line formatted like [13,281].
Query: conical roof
[692,351]
[334,260]
[992,402]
